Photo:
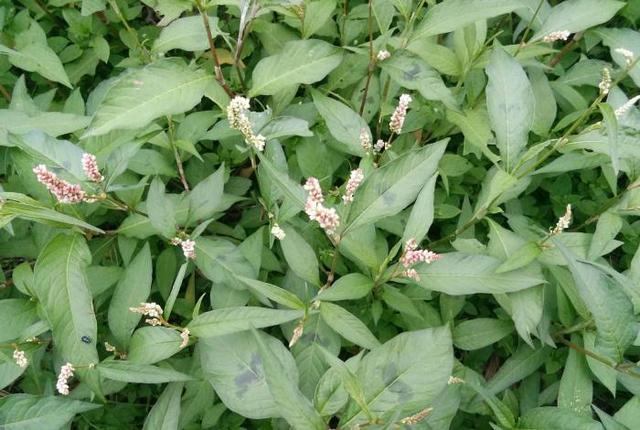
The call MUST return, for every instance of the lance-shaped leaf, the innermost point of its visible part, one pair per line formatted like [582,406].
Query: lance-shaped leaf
[577,15]
[60,284]
[450,15]
[510,102]
[140,373]
[165,87]
[348,325]
[394,186]
[299,62]
[165,414]
[26,411]
[234,319]
[459,273]
[548,417]
[611,308]
[134,288]
[186,33]
[404,374]
[343,123]
[294,407]
[235,369]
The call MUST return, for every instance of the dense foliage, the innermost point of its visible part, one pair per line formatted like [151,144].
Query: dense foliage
[319,214]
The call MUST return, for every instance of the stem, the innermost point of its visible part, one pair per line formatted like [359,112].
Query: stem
[528,29]
[5,93]
[565,50]
[372,60]
[385,93]
[176,155]
[216,61]
[620,367]
[131,31]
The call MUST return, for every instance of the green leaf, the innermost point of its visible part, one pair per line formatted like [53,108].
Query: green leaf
[186,33]
[299,62]
[165,414]
[611,308]
[394,298]
[234,319]
[480,332]
[625,38]
[300,256]
[235,369]
[292,405]
[204,199]
[576,388]
[414,73]
[150,345]
[402,375]
[277,294]
[140,373]
[343,123]
[134,288]
[353,286]
[52,123]
[577,15]
[26,411]
[34,55]
[548,417]
[388,190]
[611,123]
[421,215]
[165,87]
[450,15]
[520,258]
[607,228]
[60,283]
[458,273]
[16,316]
[160,211]
[316,14]
[510,103]
[348,325]
[522,363]
[290,189]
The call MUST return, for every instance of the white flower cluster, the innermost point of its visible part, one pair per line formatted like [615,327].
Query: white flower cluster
[278,232]
[627,55]
[399,114]
[355,179]
[563,222]
[557,35]
[605,82]
[625,108]
[20,358]
[188,247]
[412,255]
[328,218]
[238,119]
[66,373]
[152,310]
[383,54]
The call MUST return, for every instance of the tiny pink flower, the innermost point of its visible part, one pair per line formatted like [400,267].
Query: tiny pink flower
[313,187]
[66,373]
[398,116]
[90,168]
[189,249]
[61,189]
[413,255]
[355,179]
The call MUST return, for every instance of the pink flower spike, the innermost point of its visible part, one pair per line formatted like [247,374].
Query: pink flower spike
[313,187]
[355,179]
[398,116]
[61,189]
[90,168]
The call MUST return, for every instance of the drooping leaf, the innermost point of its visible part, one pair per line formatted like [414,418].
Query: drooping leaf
[24,411]
[234,319]
[348,325]
[165,414]
[393,187]
[403,375]
[510,103]
[140,373]
[577,15]
[165,87]
[458,273]
[300,62]
[60,283]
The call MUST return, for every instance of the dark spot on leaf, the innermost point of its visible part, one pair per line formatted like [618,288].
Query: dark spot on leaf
[412,73]
[249,376]
[85,339]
